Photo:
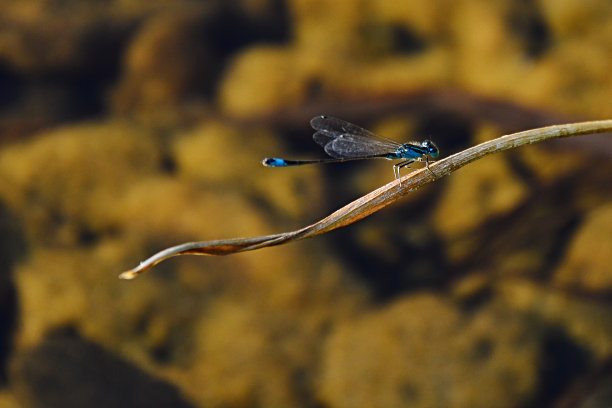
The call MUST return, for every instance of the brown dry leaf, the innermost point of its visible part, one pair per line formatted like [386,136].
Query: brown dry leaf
[376,199]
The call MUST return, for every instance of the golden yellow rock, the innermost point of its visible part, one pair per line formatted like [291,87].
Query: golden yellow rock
[394,75]
[166,63]
[400,356]
[71,176]
[426,17]
[327,26]
[218,153]
[586,265]
[569,17]
[488,59]
[584,321]
[263,80]
[7,399]
[552,164]
[484,189]
[293,325]
[249,344]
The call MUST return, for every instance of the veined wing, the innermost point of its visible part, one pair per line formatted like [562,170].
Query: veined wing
[341,139]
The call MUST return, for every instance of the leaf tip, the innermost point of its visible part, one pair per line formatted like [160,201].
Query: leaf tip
[129,275]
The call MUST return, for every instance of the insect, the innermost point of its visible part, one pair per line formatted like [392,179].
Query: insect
[344,141]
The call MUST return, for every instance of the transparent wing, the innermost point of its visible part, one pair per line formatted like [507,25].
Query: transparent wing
[341,139]
[350,146]
[339,126]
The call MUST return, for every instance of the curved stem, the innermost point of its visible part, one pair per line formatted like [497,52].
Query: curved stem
[378,198]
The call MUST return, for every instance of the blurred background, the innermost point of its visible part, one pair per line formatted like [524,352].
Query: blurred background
[130,126]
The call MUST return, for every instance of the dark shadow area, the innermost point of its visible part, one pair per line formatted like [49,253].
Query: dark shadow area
[227,29]
[451,131]
[68,89]
[10,85]
[526,21]
[546,222]
[12,248]
[67,371]
[397,251]
[562,361]
[384,38]
[592,390]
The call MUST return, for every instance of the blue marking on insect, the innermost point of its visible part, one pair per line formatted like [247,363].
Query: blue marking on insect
[344,141]
[274,162]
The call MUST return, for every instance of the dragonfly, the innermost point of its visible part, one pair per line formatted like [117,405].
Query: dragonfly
[344,141]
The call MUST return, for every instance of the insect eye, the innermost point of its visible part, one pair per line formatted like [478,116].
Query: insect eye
[432,149]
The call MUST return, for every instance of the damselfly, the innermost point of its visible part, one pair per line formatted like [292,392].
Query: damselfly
[344,141]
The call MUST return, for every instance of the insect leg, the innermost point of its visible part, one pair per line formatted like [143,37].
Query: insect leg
[398,166]
[427,166]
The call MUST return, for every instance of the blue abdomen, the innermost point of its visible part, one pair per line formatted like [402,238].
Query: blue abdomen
[274,162]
